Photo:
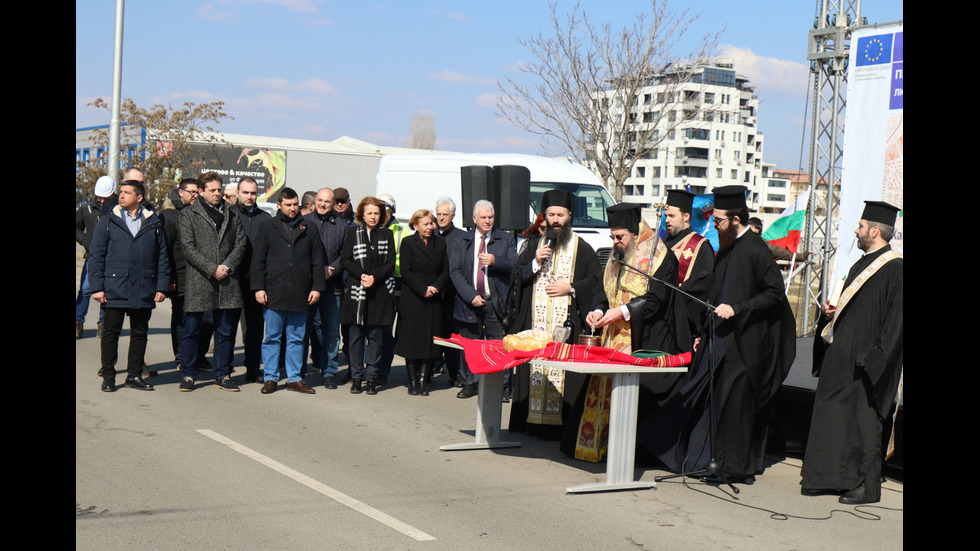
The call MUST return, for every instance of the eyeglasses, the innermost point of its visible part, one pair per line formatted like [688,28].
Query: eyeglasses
[340,201]
[617,237]
[718,221]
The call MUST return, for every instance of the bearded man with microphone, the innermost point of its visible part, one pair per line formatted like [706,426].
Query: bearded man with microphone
[558,277]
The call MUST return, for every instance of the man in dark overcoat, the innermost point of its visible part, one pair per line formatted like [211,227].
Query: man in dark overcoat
[214,244]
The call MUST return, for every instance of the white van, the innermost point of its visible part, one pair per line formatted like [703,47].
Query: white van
[418,180]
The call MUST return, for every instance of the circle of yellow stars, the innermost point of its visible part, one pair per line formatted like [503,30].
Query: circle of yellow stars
[881,49]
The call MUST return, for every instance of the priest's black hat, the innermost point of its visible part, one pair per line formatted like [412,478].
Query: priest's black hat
[681,199]
[557,198]
[730,197]
[625,215]
[880,212]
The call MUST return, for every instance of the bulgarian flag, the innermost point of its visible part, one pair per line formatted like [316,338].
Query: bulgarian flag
[785,231]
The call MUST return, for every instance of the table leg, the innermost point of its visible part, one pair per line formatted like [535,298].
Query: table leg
[490,389]
[621,451]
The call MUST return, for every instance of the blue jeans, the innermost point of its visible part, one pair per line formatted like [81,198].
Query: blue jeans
[328,311]
[293,324]
[84,297]
[225,330]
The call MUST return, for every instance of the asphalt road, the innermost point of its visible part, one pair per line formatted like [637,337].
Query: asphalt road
[212,469]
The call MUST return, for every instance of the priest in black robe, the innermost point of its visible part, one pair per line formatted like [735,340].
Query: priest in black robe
[557,274]
[858,357]
[754,347]
[695,256]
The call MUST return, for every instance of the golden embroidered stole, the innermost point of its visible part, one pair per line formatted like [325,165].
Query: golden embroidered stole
[548,384]
[828,331]
[621,286]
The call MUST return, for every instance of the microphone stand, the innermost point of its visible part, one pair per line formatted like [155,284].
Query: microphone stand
[712,469]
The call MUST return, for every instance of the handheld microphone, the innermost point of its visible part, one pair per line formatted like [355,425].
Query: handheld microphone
[550,237]
[618,255]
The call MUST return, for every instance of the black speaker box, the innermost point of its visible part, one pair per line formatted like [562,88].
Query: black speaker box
[512,197]
[477,185]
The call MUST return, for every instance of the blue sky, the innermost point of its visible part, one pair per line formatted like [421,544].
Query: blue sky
[321,69]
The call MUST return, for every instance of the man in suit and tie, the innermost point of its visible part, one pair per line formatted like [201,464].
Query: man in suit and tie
[479,268]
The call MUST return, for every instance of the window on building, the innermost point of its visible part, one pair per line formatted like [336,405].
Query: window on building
[734,174]
[641,172]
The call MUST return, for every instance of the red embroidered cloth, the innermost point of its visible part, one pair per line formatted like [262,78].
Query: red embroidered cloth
[489,356]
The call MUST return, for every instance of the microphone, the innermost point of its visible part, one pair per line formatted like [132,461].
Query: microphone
[550,237]
[618,255]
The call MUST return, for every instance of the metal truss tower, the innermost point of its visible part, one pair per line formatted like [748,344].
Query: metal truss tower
[827,51]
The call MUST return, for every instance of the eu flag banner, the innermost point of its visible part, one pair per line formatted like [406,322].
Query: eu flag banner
[874,50]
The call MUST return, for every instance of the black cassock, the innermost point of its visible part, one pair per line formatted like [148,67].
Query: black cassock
[753,353]
[586,278]
[844,448]
[698,282]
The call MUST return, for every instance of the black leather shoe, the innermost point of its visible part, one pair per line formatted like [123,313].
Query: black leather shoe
[108,385]
[138,383]
[468,391]
[372,388]
[330,382]
[355,386]
[857,496]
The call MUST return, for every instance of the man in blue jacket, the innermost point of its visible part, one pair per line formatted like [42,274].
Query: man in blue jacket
[129,273]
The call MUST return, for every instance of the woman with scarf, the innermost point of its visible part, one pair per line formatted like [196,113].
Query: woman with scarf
[368,305]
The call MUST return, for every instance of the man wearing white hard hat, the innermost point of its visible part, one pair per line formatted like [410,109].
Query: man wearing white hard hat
[85,218]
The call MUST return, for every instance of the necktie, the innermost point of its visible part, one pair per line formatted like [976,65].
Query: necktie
[481,277]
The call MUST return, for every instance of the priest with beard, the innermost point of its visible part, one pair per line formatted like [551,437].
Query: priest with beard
[633,314]
[558,274]
[858,358]
[754,347]
[695,257]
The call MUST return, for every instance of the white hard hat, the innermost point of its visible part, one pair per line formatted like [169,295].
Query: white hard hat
[388,200]
[104,187]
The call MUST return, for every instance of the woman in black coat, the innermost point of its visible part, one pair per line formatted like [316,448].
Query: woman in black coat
[425,274]
[368,305]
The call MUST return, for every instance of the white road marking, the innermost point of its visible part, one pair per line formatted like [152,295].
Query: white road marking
[340,497]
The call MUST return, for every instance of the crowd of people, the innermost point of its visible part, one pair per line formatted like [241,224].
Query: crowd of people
[322,272]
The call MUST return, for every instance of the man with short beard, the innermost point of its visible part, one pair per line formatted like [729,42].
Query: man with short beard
[214,244]
[696,258]
[559,276]
[287,278]
[251,217]
[754,347]
[858,356]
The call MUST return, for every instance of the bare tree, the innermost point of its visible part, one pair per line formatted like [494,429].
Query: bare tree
[586,84]
[422,130]
[162,136]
